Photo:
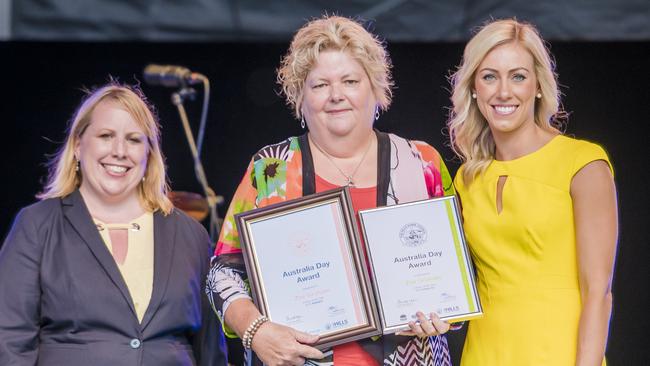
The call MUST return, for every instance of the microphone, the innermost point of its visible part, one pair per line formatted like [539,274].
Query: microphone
[170,76]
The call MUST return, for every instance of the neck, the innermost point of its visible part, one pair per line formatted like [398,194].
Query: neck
[343,163]
[513,145]
[346,147]
[112,212]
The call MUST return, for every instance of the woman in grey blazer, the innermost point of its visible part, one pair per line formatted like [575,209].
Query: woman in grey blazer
[104,270]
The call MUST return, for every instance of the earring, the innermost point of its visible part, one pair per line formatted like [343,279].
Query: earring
[376,113]
[143,179]
[302,122]
[76,167]
[473,95]
[539,95]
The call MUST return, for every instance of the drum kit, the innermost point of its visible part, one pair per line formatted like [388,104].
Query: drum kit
[193,204]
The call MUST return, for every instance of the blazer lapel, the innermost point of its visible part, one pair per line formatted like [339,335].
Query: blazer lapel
[76,212]
[164,243]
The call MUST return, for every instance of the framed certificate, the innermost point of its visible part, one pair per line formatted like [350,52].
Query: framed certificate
[420,262]
[306,269]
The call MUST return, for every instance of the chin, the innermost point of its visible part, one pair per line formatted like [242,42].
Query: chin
[502,124]
[339,132]
[343,128]
[115,192]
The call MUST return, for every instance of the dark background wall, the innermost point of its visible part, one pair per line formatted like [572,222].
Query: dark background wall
[397,20]
[605,86]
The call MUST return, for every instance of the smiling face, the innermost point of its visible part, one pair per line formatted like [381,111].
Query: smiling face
[338,97]
[505,85]
[113,153]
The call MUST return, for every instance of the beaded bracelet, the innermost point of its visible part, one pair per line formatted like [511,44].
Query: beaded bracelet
[247,339]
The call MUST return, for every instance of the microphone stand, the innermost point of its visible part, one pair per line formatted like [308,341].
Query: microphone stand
[177,99]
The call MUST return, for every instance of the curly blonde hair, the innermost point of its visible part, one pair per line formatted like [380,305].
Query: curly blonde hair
[63,177]
[469,133]
[340,34]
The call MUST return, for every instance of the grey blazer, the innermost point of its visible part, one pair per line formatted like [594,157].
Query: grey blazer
[63,300]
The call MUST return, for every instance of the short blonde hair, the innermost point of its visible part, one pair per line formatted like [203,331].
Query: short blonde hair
[469,133]
[339,34]
[64,178]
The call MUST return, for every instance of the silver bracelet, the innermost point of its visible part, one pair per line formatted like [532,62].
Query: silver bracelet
[247,339]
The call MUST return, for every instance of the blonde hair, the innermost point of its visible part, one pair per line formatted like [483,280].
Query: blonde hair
[63,177]
[339,34]
[469,133]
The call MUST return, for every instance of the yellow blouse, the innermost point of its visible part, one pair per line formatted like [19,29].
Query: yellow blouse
[137,269]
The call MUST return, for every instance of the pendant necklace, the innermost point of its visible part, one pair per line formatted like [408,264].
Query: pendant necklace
[349,178]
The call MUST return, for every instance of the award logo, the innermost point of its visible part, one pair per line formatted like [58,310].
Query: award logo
[413,235]
[336,324]
[298,242]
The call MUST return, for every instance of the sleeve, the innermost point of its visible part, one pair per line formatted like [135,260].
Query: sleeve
[459,183]
[244,199]
[447,182]
[587,153]
[437,177]
[20,288]
[227,280]
[209,344]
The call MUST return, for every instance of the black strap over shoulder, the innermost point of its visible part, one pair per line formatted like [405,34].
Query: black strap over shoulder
[383,167]
[308,173]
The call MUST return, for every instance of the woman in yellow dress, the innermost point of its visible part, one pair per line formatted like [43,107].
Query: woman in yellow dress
[539,208]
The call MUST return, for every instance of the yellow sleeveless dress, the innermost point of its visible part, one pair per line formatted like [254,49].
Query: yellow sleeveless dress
[525,257]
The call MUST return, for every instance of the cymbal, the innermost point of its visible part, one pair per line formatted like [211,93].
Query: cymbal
[191,203]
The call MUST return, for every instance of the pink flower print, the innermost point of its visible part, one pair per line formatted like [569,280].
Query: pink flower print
[433,181]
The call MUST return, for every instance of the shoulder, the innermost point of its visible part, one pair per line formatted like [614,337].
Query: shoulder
[571,144]
[40,212]
[47,205]
[282,150]
[183,220]
[187,227]
[272,167]
[459,181]
[582,151]
[458,178]
[427,151]
[33,223]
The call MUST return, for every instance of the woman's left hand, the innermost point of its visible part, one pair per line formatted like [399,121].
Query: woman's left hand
[425,327]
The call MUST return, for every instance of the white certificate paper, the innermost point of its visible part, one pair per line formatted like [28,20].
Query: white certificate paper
[419,262]
[306,270]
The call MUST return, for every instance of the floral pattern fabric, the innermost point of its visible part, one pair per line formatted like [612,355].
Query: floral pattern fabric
[408,171]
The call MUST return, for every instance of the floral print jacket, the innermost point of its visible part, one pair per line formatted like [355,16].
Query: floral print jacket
[408,171]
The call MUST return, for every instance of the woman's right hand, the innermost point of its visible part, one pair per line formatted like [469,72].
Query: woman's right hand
[276,344]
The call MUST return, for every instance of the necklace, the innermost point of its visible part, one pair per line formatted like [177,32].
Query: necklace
[350,177]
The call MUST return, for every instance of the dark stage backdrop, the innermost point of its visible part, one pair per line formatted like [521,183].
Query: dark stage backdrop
[606,87]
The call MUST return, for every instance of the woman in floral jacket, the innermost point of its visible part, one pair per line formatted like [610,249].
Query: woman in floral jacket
[336,77]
